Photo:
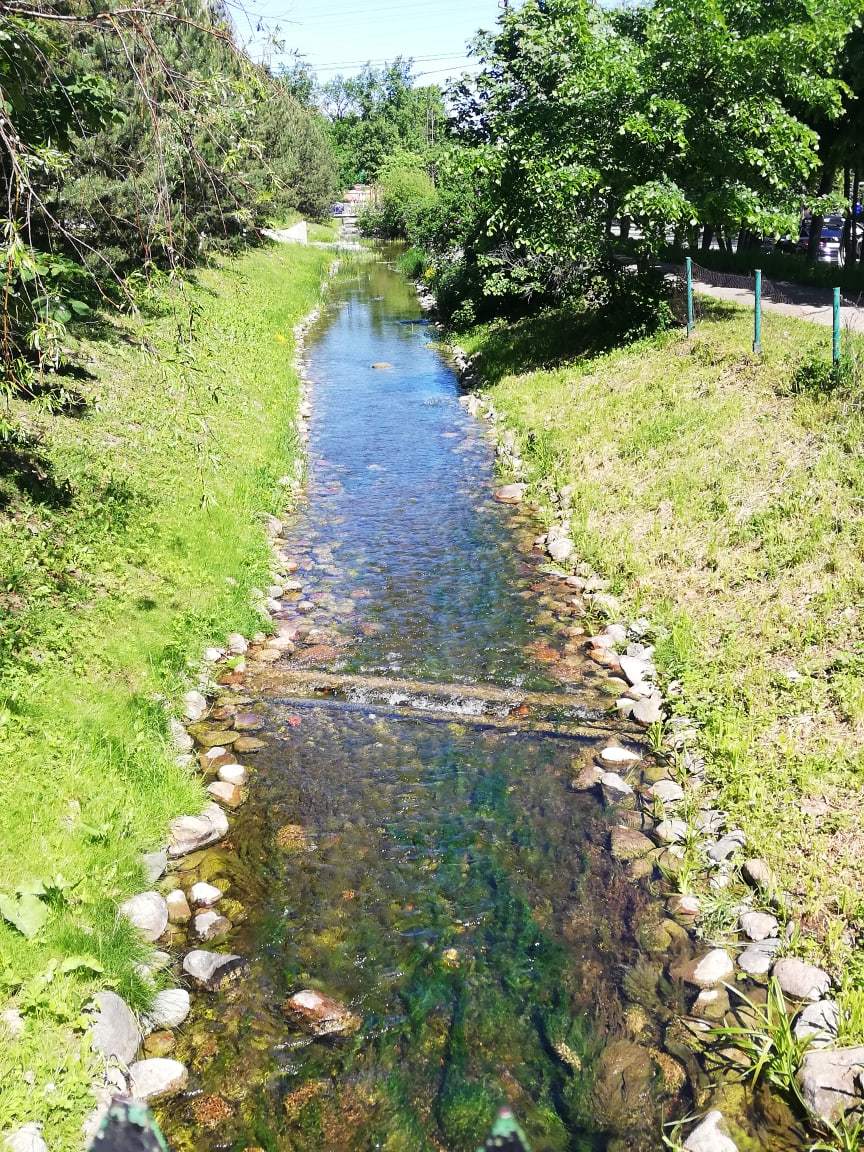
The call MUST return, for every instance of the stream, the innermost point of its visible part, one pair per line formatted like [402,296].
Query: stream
[417,855]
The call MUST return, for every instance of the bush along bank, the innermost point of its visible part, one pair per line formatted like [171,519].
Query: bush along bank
[703,503]
[134,529]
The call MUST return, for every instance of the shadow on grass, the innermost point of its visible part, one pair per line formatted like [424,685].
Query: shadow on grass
[552,338]
[27,470]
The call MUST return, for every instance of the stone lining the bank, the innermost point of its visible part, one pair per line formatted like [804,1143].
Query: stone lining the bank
[830,1080]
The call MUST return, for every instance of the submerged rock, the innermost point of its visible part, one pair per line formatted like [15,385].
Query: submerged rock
[710,1136]
[511,494]
[228,794]
[629,844]
[321,1015]
[829,1079]
[212,969]
[157,1078]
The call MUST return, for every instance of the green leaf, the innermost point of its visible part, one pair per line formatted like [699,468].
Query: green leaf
[27,913]
[81,964]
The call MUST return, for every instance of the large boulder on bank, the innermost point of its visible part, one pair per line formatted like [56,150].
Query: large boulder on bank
[148,912]
[800,980]
[830,1082]
[114,1033]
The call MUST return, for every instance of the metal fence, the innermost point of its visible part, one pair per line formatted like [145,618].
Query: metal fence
[760,287]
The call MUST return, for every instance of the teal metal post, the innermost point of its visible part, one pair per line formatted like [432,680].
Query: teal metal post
[757,314]
[688,263]
[835,348]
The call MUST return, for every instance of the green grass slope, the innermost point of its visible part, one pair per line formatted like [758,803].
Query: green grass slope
[723,496]
[131,534]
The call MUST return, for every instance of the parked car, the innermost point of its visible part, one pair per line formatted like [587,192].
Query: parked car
[830,249]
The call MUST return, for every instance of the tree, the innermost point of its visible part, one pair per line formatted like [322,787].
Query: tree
[377,114]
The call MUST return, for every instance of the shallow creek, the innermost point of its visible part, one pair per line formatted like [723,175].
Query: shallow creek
[417,855]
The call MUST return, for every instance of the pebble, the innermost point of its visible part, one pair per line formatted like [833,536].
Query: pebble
[189,833]
[204,895]
[228,794]
[169,1008]
[616,755]
[710,1136]
[148,913]
[511,494]
[156,1078]
[800,980]
[114,1032]
[725,847]
[589,777]
[155,864]
[818,1023]
[672,831]
[213,655]
[614,787]
[233,774]
[758,925]
[194,706]
[179,911]
[27,1138]
[758,874]
[237,644]
[756,960]
[667,791]
[617,633]
[829,1079]
[211,969]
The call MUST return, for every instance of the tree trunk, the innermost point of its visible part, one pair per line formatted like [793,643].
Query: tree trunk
[852,250]
[826,182]
[707,237]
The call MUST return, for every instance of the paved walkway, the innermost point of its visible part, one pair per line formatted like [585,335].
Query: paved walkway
[803,301]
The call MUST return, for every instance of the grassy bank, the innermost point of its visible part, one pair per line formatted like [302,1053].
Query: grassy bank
[722,497]
[131,535]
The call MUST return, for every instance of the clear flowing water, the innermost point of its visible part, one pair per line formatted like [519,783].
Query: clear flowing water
[435,872]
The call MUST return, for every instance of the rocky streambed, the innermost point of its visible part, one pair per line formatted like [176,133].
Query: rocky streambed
[433,875]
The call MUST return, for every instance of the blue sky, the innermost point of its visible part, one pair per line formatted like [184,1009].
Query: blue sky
[340,36]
